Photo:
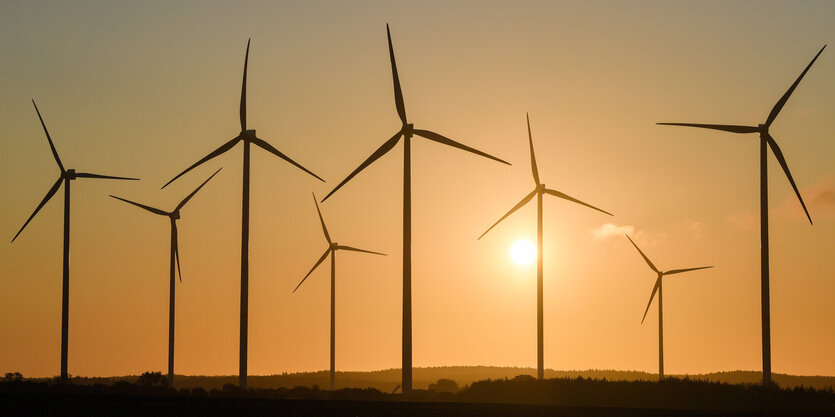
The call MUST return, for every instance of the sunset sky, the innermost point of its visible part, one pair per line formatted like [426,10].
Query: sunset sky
[145,89]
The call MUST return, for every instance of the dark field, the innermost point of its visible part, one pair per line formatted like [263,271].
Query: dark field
[186,406]
[522,396]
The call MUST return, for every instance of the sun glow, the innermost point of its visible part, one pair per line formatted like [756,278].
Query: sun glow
[523,252]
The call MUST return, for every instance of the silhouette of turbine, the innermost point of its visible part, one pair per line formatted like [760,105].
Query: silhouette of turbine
[406,132]
[657,288]
[331,250]
[538,191]
[247,137]
[173,216]
[67,175]
[766,140]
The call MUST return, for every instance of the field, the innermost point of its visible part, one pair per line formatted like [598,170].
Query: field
[518,396]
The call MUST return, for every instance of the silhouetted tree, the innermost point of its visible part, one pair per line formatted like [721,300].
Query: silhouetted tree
[13,377]
[152,379]
[444,385]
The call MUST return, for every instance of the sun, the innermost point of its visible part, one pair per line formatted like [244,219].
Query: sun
[523,252]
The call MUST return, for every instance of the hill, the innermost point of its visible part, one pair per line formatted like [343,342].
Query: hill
[386,380]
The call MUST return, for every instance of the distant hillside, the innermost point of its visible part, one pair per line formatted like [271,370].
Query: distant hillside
[386,380]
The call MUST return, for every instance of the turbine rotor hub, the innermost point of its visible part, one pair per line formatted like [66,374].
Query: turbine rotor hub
[70,174]
[248,134]
[408,129]
[763,128]
[175,215]
[334,245]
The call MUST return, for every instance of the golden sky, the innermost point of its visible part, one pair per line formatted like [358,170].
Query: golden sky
[146,89]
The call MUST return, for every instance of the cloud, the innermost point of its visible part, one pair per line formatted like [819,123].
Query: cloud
[822,194]
[696,229]
[819,198]
[825,198]
[744,219]
[607,231]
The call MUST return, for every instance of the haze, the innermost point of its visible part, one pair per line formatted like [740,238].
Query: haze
[146,89]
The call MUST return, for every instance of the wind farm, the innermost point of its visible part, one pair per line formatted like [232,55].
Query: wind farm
[406,132]
[247,137]
[450,301]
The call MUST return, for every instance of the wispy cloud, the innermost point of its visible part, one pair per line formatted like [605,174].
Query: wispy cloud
[607,231]
[819,198]
[695,229]
[744,219]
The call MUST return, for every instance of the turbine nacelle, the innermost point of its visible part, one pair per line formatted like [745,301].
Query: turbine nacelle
[70,174]
[175,215]
[408,129]
[334,246]
[248,134]
[763,128]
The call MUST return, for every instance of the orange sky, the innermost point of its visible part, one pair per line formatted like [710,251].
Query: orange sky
[145,90]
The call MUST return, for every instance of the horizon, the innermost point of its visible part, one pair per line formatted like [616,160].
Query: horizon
[146,90]
[532,370]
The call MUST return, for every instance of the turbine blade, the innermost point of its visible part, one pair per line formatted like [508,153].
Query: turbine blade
[177,251]
[149,208]
[359,250]
[533,157]
[49,138]
[447,141]
[322,220]
[104,177]
[46,198]
[782,160]
[324,255]
[398,94]
[225,147]
[188,197]
[642,255]
[572,199]
[243,89]
[678,271]
[780,103]
[269,148]
[516,207]
[725,128]
[382,150]
[654,290]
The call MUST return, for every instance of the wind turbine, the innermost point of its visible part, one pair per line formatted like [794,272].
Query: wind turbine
[406,131]
[67,175]
[331,250]
[173,216]
[657,288]
[766,140]
[247,137]
[539,191]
